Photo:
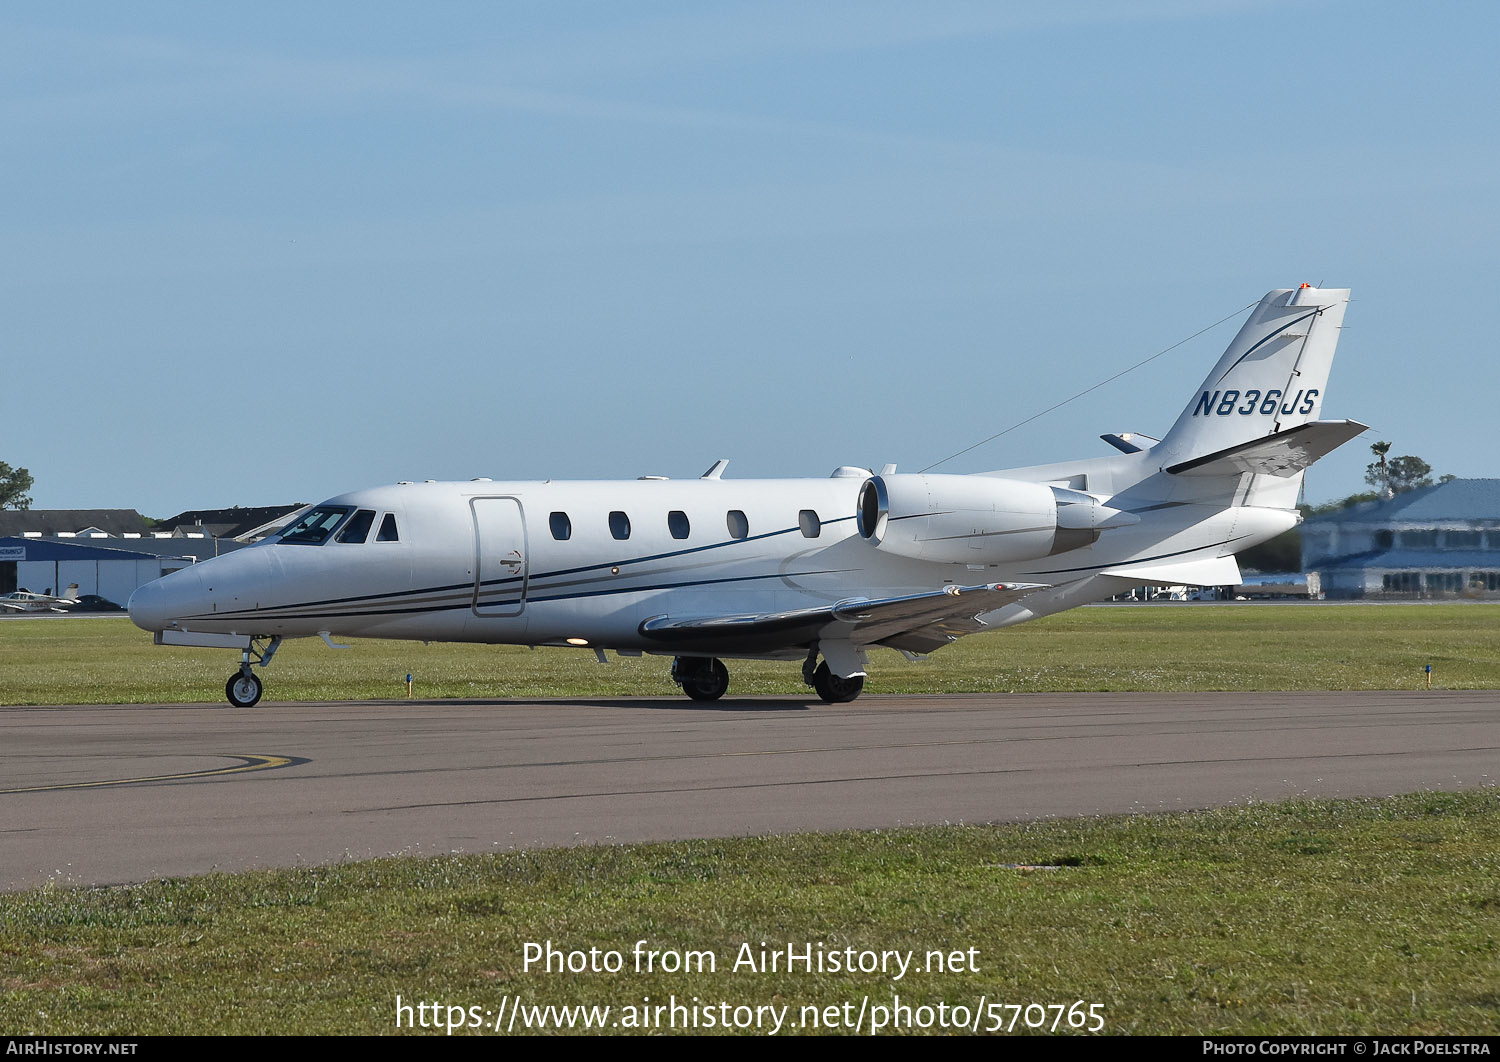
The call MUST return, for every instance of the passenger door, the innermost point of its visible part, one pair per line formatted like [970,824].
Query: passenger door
[500,568]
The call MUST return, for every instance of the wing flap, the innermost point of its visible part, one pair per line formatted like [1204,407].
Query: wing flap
[916,622]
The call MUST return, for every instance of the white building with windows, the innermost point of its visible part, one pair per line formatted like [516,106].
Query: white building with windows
[1434,542]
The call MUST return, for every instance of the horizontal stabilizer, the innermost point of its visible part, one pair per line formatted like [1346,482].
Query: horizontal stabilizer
[1210,571]
[1130,442]
[915,622]
[1283,454]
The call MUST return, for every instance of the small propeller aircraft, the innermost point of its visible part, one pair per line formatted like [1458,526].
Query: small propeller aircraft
[26,601]
[816,570]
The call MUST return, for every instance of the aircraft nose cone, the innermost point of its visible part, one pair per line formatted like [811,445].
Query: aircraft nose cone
[145,608]
[154,606]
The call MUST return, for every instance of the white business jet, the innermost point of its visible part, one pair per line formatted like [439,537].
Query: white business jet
[817,570]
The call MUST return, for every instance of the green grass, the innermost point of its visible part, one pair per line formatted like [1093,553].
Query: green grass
[1308,917]
[1376,916]
[1166,648]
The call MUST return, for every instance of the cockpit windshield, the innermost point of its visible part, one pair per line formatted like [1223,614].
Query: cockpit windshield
[315,525]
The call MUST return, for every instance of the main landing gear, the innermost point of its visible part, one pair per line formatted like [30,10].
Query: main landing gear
[831,688]
[705,678]
[244,687]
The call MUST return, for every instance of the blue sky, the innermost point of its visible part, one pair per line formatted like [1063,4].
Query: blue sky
[272,252]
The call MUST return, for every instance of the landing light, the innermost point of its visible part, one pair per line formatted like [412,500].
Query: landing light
[578,641]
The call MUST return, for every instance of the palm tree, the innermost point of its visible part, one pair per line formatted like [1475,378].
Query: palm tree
[1380,449]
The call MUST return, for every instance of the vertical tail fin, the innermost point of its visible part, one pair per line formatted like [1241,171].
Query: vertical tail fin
[1271,378]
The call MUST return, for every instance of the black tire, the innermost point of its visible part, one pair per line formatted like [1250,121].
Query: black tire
[707,683]
[243,690]
[835,690]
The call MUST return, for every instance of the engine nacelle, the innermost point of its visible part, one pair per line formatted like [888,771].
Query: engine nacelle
[979,519]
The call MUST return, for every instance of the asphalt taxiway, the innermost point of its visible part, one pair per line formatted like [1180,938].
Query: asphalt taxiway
[107,794]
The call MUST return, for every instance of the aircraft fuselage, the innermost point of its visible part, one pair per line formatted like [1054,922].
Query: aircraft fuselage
[587,563]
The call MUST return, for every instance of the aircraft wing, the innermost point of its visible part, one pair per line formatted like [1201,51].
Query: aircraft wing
[918,623]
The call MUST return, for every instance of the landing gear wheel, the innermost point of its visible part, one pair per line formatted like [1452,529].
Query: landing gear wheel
[702,680]
[243,689]
[835,690]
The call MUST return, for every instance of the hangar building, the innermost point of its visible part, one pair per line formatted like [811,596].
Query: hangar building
[1433,542]
[110,552]
[50,565]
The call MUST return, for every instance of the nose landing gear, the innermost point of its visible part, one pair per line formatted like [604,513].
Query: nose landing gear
[244,687]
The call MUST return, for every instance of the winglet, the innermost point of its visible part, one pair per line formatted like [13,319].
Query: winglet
[717,470]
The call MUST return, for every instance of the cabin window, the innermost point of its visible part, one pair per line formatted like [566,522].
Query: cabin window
[314,526]
[739,526]
[808,521]
[619,524]
[562,527]
[358,527]
[677,523]
[388,532]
